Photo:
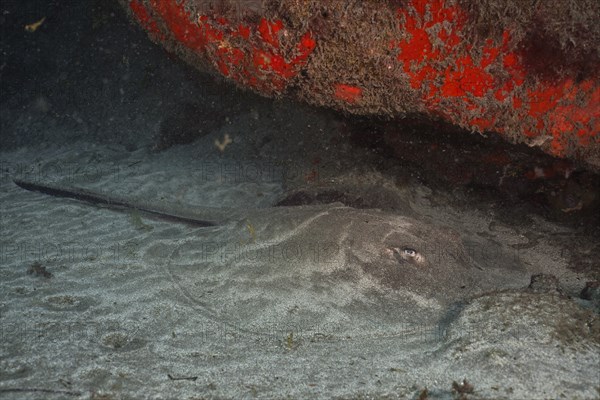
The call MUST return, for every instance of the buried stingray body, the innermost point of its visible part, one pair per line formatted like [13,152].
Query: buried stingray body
[325,268]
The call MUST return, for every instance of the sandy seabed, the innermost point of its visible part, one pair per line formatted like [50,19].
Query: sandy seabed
[270,302]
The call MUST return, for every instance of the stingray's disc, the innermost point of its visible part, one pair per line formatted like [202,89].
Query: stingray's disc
[330,274]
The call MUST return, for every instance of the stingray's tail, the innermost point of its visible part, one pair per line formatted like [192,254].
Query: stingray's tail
[100,200]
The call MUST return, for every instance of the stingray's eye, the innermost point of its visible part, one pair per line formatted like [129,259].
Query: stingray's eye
[408,252]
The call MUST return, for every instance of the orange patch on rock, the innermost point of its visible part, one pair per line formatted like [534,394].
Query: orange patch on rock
[348,93]
[453,82]
[249,54]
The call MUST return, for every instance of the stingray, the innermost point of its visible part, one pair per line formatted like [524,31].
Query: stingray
[315,265]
